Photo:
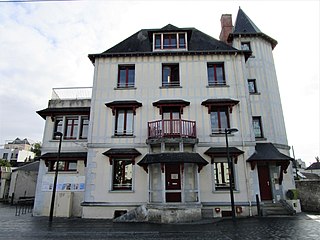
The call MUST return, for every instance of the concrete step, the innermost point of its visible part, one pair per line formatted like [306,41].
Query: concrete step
[274,209]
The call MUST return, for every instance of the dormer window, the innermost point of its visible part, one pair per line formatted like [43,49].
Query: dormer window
[170,41]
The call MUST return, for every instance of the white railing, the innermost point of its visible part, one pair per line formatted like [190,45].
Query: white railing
[71,93]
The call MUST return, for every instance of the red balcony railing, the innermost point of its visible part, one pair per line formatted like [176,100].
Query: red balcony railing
[172,128]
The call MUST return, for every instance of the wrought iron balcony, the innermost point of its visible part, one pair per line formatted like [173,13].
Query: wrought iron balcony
[172,128]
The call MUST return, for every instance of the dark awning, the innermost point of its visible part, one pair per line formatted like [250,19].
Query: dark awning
[129,104]
[172,158]
[171,103]
[65,156]
[267,152]
[222,152]
[220,102]
[122,152]
[64,111]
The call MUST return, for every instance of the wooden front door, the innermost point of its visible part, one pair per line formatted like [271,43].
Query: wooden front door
[264,183]
[173,183]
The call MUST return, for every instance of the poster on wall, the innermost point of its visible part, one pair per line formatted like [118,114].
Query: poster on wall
[64,183]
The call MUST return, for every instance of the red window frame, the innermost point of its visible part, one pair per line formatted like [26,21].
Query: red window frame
[127,69]
[84,123]
[174,75]
[215,81]
[218,111]
[72,132]
[125,122]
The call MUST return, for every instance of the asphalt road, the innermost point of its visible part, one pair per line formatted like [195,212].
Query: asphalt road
[302,226]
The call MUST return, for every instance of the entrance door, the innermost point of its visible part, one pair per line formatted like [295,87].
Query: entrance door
[264,183]
[173,182]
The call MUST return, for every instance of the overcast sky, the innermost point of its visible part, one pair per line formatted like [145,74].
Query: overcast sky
[44,45]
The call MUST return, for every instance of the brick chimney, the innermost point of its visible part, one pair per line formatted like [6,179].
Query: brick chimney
[226,27]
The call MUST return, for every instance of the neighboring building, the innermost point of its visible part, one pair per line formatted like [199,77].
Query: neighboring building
[314,168]
[68,112]
[161,101]
[5,176]
[17,151]
[23,181]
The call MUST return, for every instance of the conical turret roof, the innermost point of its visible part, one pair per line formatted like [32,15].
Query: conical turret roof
[244,26]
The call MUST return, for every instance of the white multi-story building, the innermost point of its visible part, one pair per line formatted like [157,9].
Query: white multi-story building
[161,102]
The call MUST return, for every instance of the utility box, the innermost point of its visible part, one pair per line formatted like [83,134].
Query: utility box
[63,204]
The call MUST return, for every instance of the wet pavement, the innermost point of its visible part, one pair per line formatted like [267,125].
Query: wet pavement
[25,226]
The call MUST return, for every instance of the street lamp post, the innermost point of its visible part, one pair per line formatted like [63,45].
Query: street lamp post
[55,177]
[230,166]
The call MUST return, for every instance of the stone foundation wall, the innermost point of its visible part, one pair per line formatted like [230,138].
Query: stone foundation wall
[309,194]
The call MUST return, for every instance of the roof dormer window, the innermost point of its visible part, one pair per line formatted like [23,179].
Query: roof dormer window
[169,41]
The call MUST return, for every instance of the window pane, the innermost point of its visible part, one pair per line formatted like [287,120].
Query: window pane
[157,41]
[169,41]
[129,123]
[257,127]
[120,122]
[221,175]
[84,127]
[210,75]
[214,122]
[58,126]
[223,120]
[131,77]
[72,166]
[175,75]
[71,128]
[182,41]
[219,72]
[252,86]
[122,175]
[245,46]
[166,72]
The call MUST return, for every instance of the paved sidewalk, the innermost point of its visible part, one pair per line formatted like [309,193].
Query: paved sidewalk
[301,226]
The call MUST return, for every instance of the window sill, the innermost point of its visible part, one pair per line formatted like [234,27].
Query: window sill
[69,140]
[64,172]
[165,87]
[225,191]
[217,86]
[220,135]
[121,191]
[261,139]
[125,88]
[123,136]
[257,93]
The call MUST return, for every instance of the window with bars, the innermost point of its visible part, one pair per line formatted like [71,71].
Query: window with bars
[122,174]
[221,175]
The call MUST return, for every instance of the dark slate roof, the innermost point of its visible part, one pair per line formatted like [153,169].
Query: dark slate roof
[220,102]
[181,157]
[122,152]
[310,175]
[140,43]
[314,166]
[244,26]
[19,141]
[222,151]
[268,152]
[32,167]
[63,111]
[65,156]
